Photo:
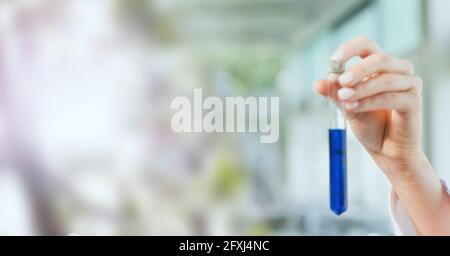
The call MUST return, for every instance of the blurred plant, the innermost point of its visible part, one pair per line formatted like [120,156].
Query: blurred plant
[259,229]
[142,14]
[250,69]
[227,176]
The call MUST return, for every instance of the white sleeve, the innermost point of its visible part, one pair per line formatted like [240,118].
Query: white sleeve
[403,225]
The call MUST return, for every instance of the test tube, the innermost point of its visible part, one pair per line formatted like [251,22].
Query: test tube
[337,146]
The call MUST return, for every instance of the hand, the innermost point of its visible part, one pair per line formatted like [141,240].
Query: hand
[381,97]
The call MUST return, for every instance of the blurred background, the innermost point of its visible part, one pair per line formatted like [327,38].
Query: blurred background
[85,90]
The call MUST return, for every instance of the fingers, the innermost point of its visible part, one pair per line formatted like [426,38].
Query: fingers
[375,64]
[378,81]
[360,46]
[380,84]
[403,102]
[321,87]
[327,88]
[386,91]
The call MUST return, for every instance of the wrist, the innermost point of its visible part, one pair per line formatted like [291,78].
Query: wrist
[406,167]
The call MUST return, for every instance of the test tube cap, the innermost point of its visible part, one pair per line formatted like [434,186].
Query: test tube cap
[336,68]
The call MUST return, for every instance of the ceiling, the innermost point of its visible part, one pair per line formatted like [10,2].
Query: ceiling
[242,22]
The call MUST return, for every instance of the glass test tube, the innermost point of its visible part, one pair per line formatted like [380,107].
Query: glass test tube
[337,148]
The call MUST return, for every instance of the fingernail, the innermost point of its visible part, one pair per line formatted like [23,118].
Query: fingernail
[337,56]
[351,105]
[345,93]
[346,78]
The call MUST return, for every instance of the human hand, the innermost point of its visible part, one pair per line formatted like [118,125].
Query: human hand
[381,98]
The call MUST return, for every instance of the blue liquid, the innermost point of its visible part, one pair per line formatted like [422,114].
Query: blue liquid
[338,171]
